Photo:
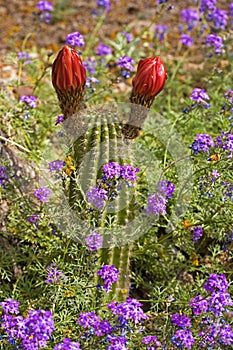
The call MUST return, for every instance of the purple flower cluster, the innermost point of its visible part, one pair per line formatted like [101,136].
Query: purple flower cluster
[3,175]
[94,241]
[186,40]
[202,142]
[190,16]
[212,331]
[103,50]
[115,170]
[29,100]
[229,94]
[90,65]
[54,275]
[128,36]
[130,309]
[160,31]
[156,204]
[208,5]
[181,321]
[88,319]
[200,96]
[215,41]
[42,194]
[215,334]
[33,218]
[199,305]
[91,321]
[183,338]
[67,344]
[33,331]
[225,142]
[197,232]
[75,39]
[231,10]
[117,342]
[109,274]
[166,188]
[24,56]
[56,165]
[126,62]
[216,283]
[96,196]
[219,17]
[45,8]
[151,340]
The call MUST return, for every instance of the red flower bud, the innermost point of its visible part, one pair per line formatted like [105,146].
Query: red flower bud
[69,79]
[149,81]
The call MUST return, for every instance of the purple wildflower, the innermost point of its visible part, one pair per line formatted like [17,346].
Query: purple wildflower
[29,100]
[33,218]
[56,165]
[216,283]
[202,142]
[219,17]
[151,340]
[215,173]
[42,194]
[115,170]
[183,338]
[94,241]
[60,119]
[118,343]
[88,319]
[34,331]
[156,204]
[45,17]
[130,309]
[229,94]
[102,328]
[231,10]
[207,5]
[96,196]
[199,305]
[23,56]
[218,301]
[75,39]
[126,62]
[215,41]
[186,40]
[90,65]
[67,344]
[181,321]
[106,4]
[54,275]
[197,232]
[112,170]
[10,306]
[3,175]
[160,31]
[109,274]
[200,96]
[225,141]
[103,50]
[190,16]
[166,188]
[44,6]
[128,36]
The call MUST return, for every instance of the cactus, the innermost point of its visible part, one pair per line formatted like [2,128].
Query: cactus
[100,137]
